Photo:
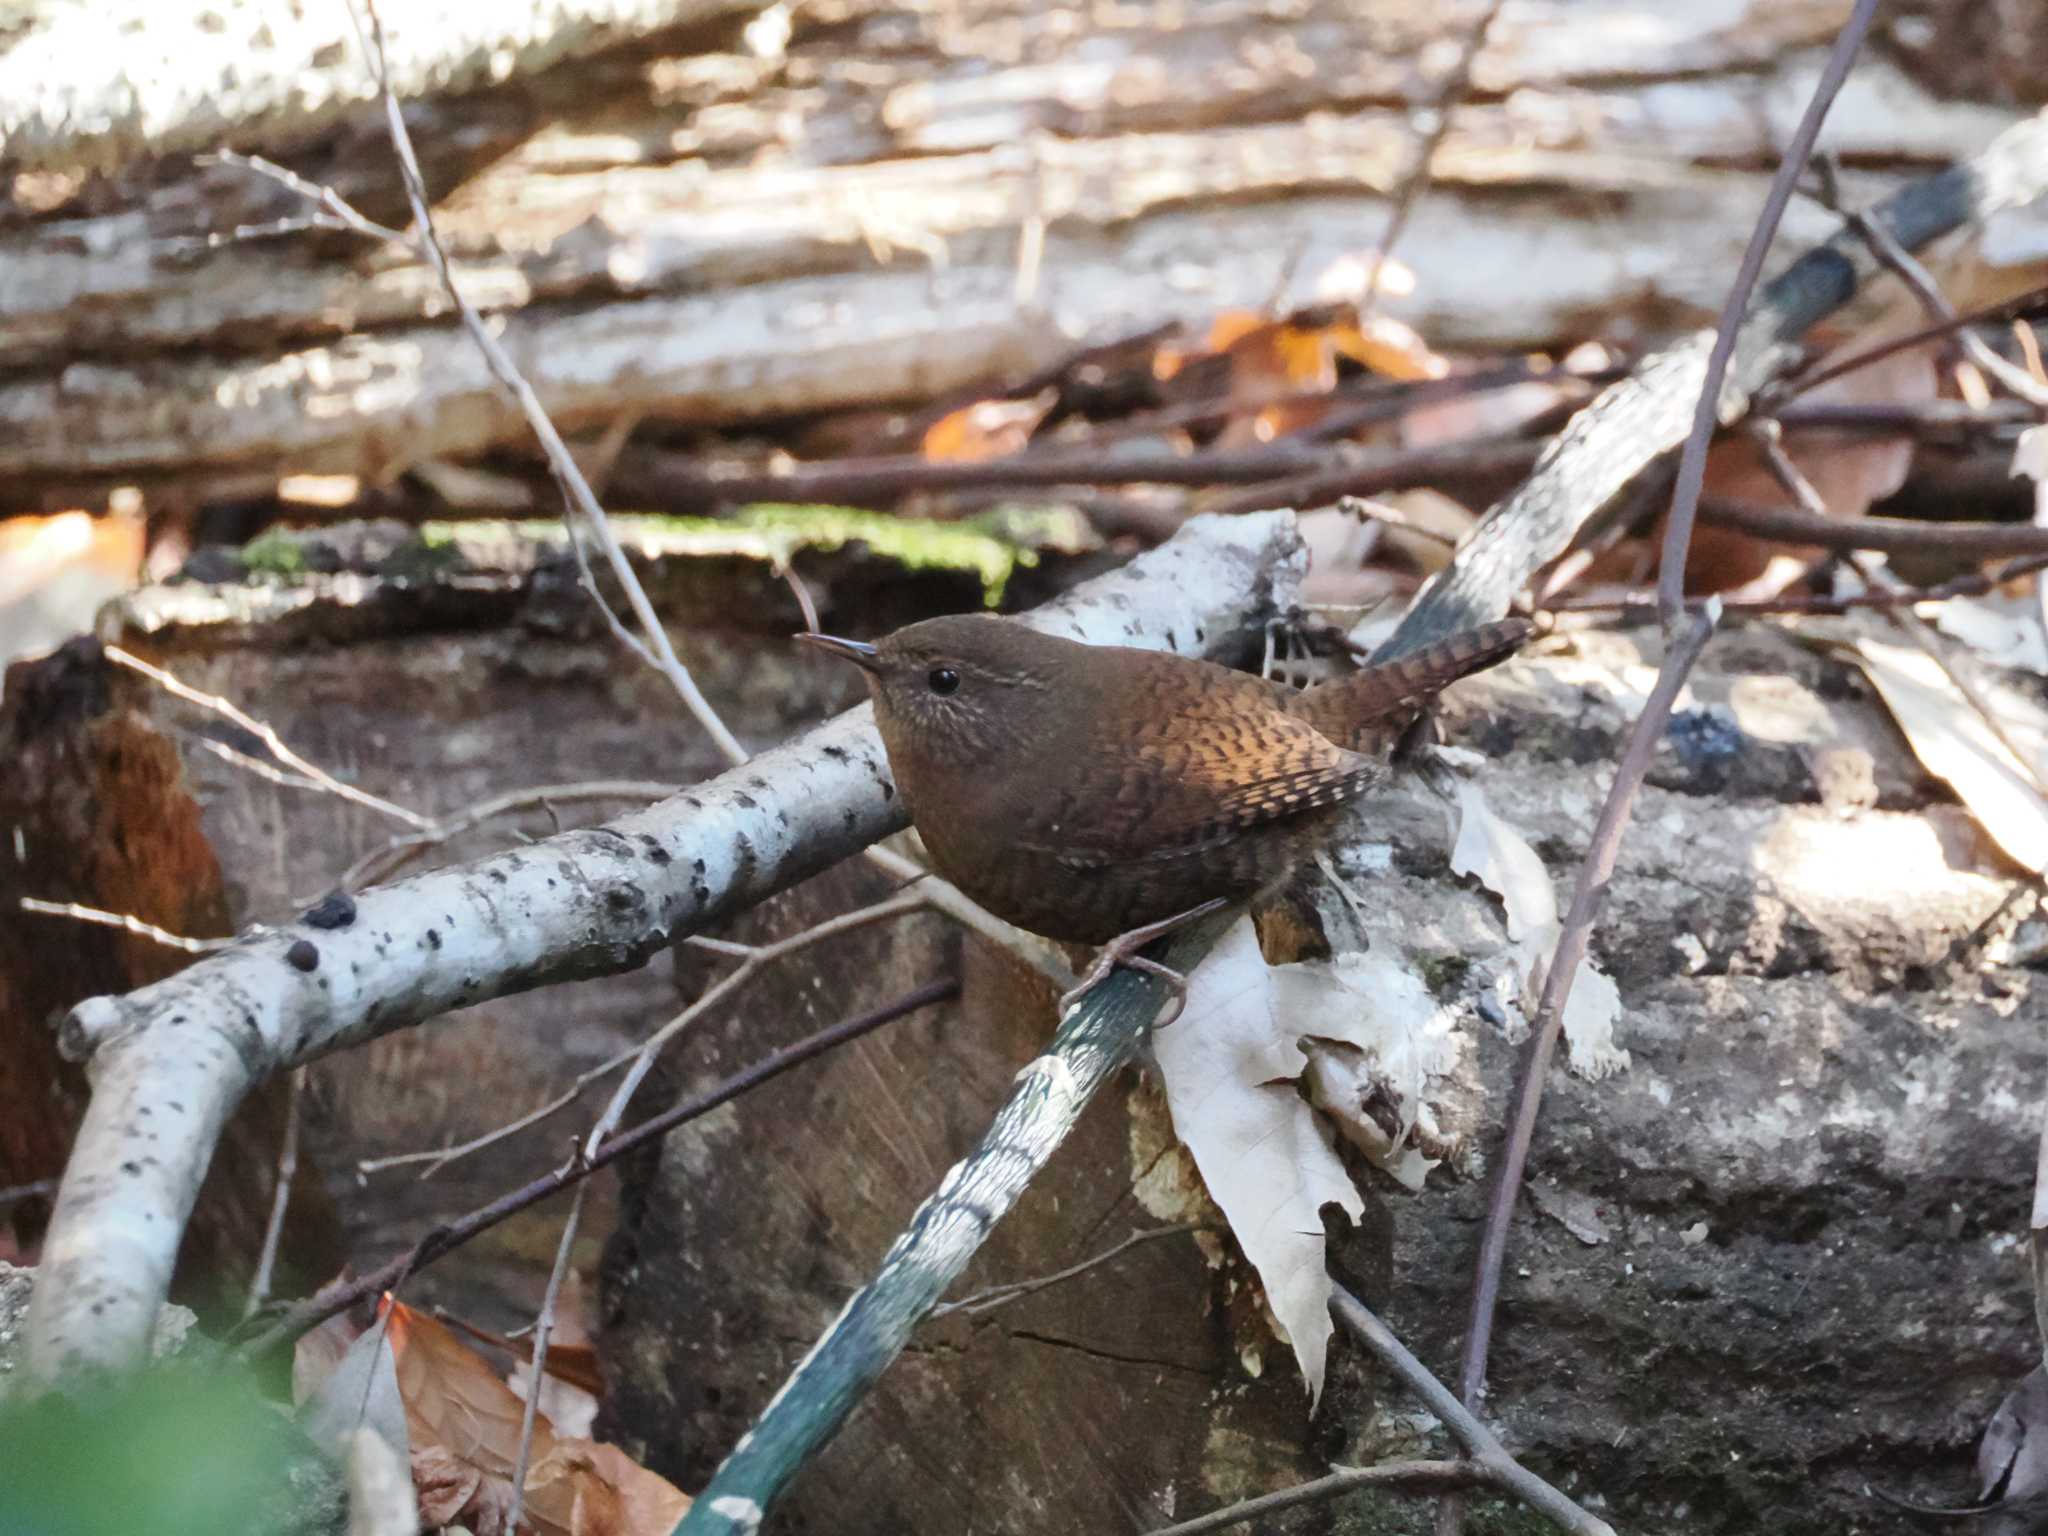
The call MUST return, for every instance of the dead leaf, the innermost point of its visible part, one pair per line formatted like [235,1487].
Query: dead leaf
[449,1489]
[1955,743]
[381,1501]
[1849,471]
[583,1488]
[1372,1039]
[465,1425]
[987,429]
[2005,631]
[2012,1458]
[570,1408]
[1369,1041]
[358,1392]
[1262,1152]
[1578,1214]
[453,1398]
[1500,858]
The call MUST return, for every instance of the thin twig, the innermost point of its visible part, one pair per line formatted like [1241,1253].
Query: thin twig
[336,206]
[1588,892]
[1016,1290]
[255,766]
[1641,608]
[14,1194]
[380,864]
[1886,535]
[1920,282]
[280,1197]
[1692,462]
[2019,306]
[214,703]
[125,922]
[575,488]
[1455,85]
[445,1239]
[1479,1441]
[537,1361]
[1396,1476]
[642,1056]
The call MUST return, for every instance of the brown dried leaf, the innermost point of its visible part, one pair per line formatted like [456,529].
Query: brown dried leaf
[987,429]
[583,1488]
[464,1424]
[448,1489]
[454,1399]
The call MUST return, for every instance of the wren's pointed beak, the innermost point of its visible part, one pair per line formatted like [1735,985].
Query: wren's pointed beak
[859,652]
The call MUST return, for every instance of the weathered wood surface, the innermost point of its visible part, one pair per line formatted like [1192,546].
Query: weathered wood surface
[716,226]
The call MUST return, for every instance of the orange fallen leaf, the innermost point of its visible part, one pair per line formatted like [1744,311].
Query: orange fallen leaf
[464,1424]
[987,429]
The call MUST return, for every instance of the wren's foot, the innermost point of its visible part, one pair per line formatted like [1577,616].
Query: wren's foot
[1123,951]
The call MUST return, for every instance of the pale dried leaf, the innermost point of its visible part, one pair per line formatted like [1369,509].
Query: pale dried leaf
[2012,1458]
[1263,1153]
[1578,1214]
[318,1351]
[380,1496]
[570,1408]
[1374,1040]
[2003,630]
[1955,743]
[1590,1014]
[1500,858]
[360,1391]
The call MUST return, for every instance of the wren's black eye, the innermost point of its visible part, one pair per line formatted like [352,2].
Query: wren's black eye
[944,680]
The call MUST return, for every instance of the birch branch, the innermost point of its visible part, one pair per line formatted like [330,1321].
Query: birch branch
[170,1061]
[1631,424]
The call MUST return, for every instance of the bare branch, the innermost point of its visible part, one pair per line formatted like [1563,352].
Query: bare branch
[268,736]
[126,922]
[280,1197]
[1692,461]
[1589,890]
[575,488]
[642,1056]
[448,1237]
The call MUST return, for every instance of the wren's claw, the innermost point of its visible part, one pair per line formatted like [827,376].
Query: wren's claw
[1123,951]
[1108,961]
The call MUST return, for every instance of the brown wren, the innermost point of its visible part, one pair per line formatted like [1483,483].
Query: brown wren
[1104,794]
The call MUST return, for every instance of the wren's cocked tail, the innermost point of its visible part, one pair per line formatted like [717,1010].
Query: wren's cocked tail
[1085,791]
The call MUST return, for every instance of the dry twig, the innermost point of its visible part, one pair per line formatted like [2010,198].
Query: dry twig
[1692,461]
[1487,1463]
[575,489]
[446,1238]
[641,1057]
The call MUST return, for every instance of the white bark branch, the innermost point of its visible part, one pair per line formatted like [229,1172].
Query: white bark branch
[170,1061]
